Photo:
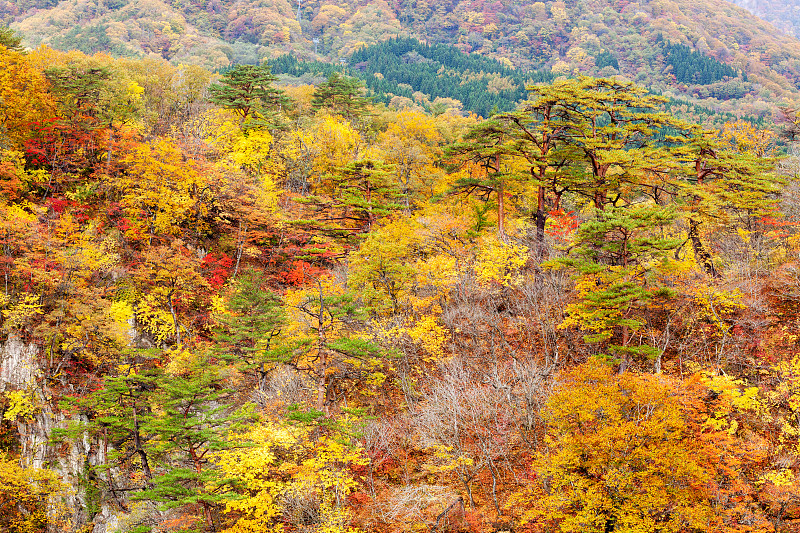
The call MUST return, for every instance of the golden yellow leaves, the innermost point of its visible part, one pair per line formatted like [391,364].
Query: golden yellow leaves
[120,320]
[716,305]
[282,467]
[427,334]
[411,142]
[781,478]
[20,313]
[445,459]
[32,498]
[22,405]
[24,98]
[744,137]
[431,336]
[734,397]
[626,451]
[336,143]
[154,320]
[249,150]
[381,268]
[500,262]
[162,190]
[437,274]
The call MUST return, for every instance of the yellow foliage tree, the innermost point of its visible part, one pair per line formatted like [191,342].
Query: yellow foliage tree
[167,277]
[336,143]
[382,269]
[411,142]
[30,498]
[24,98]
[283,475]
[633,453]
[166,188]
[499,262]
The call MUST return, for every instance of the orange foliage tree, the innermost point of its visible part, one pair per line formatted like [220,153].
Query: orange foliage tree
[637,452]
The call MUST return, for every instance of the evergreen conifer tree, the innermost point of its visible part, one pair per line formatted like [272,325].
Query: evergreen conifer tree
[248,90]
[342,95]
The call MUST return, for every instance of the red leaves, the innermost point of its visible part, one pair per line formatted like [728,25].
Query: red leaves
[216,268]
[36,147]
[59,205]
[10,184]
[359,498]
[300,272]
[777,229]
[561,225]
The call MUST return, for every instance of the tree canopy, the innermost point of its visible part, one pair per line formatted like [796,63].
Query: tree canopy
[235,312]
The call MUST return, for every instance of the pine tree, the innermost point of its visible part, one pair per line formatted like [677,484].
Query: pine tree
[486,153]
[342,95]
[368,192]
[191,421]
[118,414]
[619,255]
[247,331]
[248,90]
[10,39]
[82,94]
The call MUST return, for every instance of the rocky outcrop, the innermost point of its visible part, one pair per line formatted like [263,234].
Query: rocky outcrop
[73,460]
[17,364]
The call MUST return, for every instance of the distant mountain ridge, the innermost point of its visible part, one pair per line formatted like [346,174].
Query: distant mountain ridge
[595,37]
[783,14]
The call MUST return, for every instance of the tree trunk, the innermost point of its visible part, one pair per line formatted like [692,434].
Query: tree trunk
[701,255]
[322,385]
[501,212]
[541,219]
[625,361]
[240,247]
[198,467]
[137,442]
[322,393]
[501,206]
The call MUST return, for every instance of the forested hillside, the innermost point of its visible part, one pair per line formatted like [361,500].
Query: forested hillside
[408,73]
[231,307]
[741,64]
[405,73]
[784,15]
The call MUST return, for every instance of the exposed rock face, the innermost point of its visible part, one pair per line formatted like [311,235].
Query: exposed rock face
[73,461]
[17,363]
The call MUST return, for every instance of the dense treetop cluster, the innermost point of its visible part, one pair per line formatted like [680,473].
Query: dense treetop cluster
[293,308]
[554,37]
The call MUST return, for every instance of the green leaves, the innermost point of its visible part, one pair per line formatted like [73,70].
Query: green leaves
[619,256]
[10,39]
[624,236]
[191,420]
[82,92]
[248,91]
[248,326]
[342,95]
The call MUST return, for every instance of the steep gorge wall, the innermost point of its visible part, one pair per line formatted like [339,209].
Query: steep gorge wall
[72,461]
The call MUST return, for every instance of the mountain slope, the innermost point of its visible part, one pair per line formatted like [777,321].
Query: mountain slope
[784,14]
[588,36]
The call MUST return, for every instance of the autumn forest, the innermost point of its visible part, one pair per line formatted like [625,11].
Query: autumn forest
[236,303]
